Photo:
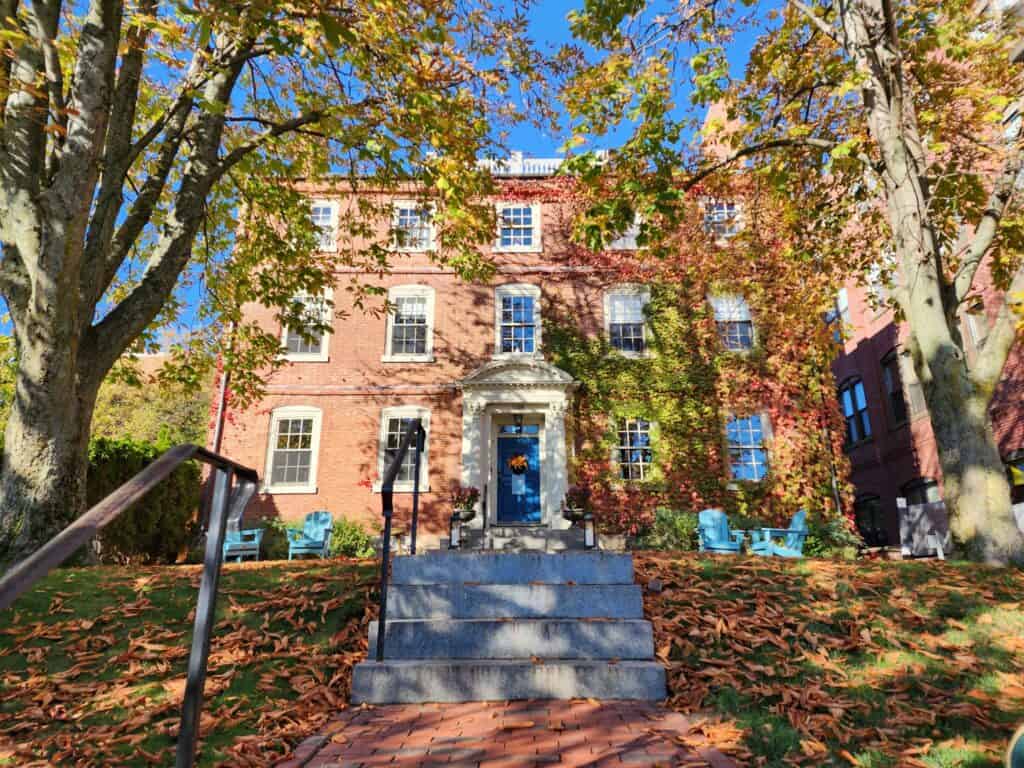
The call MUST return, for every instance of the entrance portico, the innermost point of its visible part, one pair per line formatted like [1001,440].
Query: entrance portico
[514,441]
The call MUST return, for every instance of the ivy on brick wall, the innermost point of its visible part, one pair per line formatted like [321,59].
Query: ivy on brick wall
[689,384]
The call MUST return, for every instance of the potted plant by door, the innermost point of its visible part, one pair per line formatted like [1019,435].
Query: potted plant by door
[464,499]
[576,504]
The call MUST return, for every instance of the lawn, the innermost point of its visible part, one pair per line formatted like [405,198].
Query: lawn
[811,662]
[92,662]
[843,663]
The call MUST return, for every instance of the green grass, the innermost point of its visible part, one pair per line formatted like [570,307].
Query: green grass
[837,663]
[92,661]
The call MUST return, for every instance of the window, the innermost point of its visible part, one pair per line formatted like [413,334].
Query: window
[410,327]
[867,512]
[292,452]
[393,424]
[855,411]
[311,345]
[624,318]
[633,453]
[721,219]
[747,453]
[413,227]
[921,490]
[893,383]
[518,319]
[325,219]
[735,326]
[627,240]
[518,227]
[839,315]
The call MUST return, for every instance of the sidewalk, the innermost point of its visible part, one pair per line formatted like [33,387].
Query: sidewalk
[517,734]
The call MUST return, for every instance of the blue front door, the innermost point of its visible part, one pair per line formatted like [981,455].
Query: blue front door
[518,491]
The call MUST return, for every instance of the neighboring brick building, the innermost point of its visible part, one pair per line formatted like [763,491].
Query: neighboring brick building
[890,443]
[469,360]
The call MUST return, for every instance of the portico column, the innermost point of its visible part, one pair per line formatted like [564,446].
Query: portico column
[473,451]
[557,476]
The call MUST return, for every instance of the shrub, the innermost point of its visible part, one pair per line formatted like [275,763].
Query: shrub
[274,545]
[350,539]
[670,529]
[833,537]
[157,529]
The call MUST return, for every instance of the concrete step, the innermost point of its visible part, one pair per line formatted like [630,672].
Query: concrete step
[517,538]
[513,568]
[518,639]
[411,681]
[515,601]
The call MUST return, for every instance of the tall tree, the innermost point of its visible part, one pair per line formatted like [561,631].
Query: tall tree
[885,123]
[136,136]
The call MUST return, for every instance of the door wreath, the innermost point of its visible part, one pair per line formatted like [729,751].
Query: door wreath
[518,464]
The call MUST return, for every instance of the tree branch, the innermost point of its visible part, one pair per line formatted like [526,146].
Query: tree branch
[988,227]
[988,367]
[274,130]
[821,25]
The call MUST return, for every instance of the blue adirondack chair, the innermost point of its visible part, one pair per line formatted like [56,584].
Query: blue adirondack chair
[714,533]
[763,541]
[315,536]
[241,543]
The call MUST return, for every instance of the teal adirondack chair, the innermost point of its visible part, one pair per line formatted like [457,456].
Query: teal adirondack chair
[315,536]
[241,543]
[793,538]
[714,533]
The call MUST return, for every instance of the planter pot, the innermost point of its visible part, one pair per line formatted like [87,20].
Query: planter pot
[465,515]
[574,516]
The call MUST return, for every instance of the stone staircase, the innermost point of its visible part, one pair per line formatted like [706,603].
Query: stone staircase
[483,626]
[514,538]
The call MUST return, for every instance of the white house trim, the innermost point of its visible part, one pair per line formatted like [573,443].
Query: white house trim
[538,392]
[403,412]
[628,289]
[536,245]
[323,355]
[402,291]
[292,412]
[518,289]
[329,234]
[426,208]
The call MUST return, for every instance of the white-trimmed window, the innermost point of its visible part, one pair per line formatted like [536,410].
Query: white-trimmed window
[410,327]
[292,450]
[311,345]
[518,228]
[627,240]
[394,421]
[325,219]
[624,320]
[721,218]
[412,227]
[633,452]
[747,442]
[734,321]
[517,319]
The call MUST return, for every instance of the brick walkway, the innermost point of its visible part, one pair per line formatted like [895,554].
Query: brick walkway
[518,734]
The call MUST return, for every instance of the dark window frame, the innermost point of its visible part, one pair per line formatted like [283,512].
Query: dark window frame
[858,422]
[896,404]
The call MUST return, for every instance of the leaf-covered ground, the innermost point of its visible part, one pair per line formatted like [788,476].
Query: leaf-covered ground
[812,662]
[92,662]
[832,663]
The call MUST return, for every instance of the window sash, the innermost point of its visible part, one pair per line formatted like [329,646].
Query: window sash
[313,312]
[413,228]
[736,335]
[516,226]
[747,453]
[323,220]
[518,324]
[292,455]
[721,218]
[634,453]
[855,411]
[894,390]
[409,326]
[627,337]
[397,425]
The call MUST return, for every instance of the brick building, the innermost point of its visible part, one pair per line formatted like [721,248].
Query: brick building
[890,443]
[469,360]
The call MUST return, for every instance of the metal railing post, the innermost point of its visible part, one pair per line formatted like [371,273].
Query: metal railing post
[416,486]
[205,607]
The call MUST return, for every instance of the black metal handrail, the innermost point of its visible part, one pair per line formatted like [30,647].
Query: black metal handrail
[413,431]
[233,488]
